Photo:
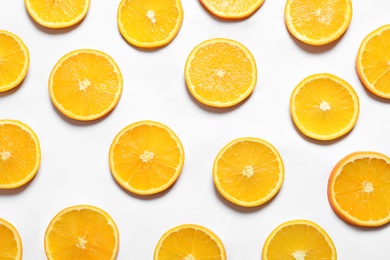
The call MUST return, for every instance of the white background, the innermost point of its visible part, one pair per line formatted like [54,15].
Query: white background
[75,170]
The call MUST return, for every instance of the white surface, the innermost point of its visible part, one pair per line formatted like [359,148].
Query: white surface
[74,167]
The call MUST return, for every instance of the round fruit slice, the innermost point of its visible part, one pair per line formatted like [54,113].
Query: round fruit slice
[82,232]
[220,72]
[85,84]
[248,171]
[299,239]
[324,107]
[146,157]
[20,154]
[232,9]
[358,189]
[373,62]
[10,242]
[14,60]
[189,241]
[318,22]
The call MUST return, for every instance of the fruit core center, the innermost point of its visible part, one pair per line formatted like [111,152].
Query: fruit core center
[368,187]
[5,155]
[324,106]
[189,257]
[81,243]
[147,156]
[220,72]
[151,16]
[248,171]
[83,85]
[299,255]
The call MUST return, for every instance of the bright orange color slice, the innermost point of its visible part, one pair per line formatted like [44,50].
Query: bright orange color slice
[318,22]
[324,106]
[150,24]
[85,84]
[82,232]
[189,241]
[299,239]
[146,157]
[20,154]
[10,241]
[248,171]
[220,72]
[373,62]
[232,9]
[57,14]
[14,60]
[359,187]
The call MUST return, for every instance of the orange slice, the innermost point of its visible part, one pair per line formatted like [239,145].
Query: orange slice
[146,157]
[189,241]
[232,9]
[318,22]
[82,232]
[324,106]
[57,14]
[299,239]
[20,154]
[358,189]
[373,62]
[10,242]
[85,84]
[248,171]
[150,24]
[14,60]
[220,72]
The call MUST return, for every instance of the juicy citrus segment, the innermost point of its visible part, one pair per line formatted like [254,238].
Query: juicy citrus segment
[358,189]
[20,154]
[373,62]
[85,84]
[324,107]
[150,24]
[10,241]
[248,171]
[220,72]
[82,232]
[318,22]
[14,60]
[146,157]
[299,239]
[189,241]
[232,9]
[57,14]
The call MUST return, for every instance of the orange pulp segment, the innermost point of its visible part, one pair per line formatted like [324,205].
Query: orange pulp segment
[232,9]
[10,241]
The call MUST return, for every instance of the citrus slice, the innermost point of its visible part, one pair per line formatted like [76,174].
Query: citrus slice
[299,239]
[10,241]
[324,106]
[57,14]
[189,241]
[85,84]
[146,157]
[358,189]
[20,154]
[232,9]
[81,232]
[14,60]
[248,171]
[220,72]
[150,24]
[318,22]
[373,62]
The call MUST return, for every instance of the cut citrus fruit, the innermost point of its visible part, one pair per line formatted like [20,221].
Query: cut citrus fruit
[373,62]
[85,84]
[299,239]
[14,60]
[248,171]
[82,232]
[220,72]
[324,107]
[57,14]
[146,157]
[150,24]
[232,9]
[358,189]
[20,154]
[189,241]
[318,22]
[10,241]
